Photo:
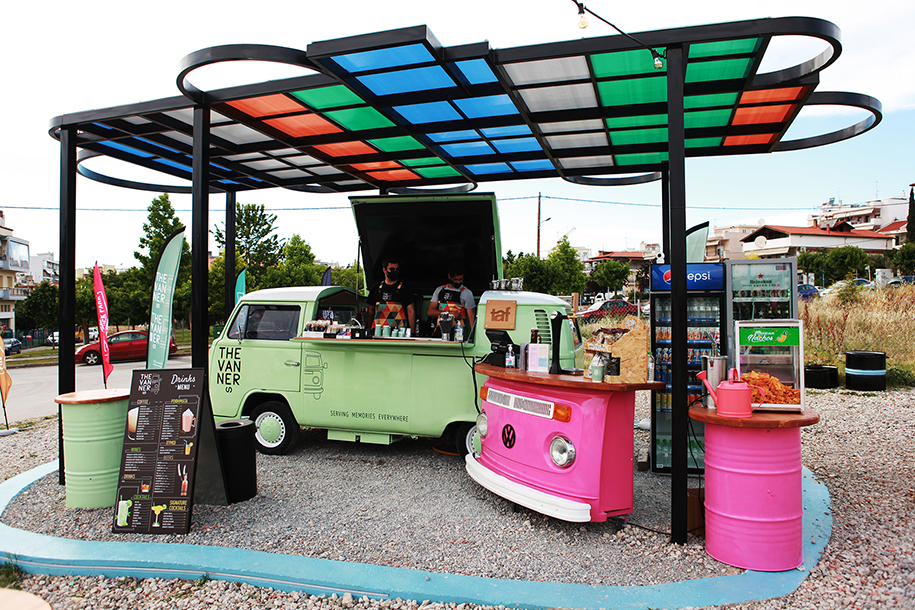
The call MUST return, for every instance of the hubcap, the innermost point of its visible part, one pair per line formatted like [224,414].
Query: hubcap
[270,429]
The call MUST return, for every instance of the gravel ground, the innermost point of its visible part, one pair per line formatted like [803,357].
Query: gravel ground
[407,505]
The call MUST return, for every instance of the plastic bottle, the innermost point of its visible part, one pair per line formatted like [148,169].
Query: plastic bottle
[650,368]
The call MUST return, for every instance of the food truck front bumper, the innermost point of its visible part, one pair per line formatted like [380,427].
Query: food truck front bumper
[544,503]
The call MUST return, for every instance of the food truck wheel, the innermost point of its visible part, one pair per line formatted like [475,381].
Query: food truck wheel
[466,434]
[276,429]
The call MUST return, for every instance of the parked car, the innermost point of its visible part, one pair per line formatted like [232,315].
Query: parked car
[860,282]
[126,345]
[902,280]
[12,346]
[54,339]
[806,292]
[612,307]
[93,334]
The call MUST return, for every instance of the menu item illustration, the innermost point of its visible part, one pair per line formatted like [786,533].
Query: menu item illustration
[161,441]
[123,512]
[132,417]
[188,421]
[157,509]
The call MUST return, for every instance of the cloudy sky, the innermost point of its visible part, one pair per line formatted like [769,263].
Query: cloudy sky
[68,57]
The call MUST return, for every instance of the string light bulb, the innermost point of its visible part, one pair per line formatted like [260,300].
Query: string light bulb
[582,16]
[658,62]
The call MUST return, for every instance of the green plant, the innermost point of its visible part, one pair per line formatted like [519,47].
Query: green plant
[11,573]
[202,581]
[900,376]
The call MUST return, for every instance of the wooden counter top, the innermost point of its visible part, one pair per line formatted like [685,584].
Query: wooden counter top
[576,382]
[759,419]
[84,397]
[384,341]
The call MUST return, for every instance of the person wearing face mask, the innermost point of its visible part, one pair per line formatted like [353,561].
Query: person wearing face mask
[454,297]
[390,302]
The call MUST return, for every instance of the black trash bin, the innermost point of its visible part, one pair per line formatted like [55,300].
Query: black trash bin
[239,458]
[821,377]
[865,370]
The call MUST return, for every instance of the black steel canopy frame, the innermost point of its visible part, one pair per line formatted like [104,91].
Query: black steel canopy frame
[397,112]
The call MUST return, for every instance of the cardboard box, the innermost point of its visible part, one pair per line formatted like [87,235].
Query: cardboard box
[695,511]
[632,350]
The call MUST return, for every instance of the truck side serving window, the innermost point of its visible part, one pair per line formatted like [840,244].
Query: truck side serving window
[266,322]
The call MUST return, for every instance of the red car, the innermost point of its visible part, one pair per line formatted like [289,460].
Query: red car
[614,307]
[125,345]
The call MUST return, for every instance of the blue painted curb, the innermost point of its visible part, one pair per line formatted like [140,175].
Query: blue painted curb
[42,554]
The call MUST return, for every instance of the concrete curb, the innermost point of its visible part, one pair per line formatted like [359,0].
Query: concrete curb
[41,554]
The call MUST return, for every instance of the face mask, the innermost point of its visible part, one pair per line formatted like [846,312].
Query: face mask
[393,275]
[457,284]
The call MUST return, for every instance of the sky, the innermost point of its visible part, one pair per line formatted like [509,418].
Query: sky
[65,57]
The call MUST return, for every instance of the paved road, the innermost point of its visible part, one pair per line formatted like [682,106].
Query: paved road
[34,388]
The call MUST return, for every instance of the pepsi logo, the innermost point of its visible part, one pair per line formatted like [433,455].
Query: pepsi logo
[667,276]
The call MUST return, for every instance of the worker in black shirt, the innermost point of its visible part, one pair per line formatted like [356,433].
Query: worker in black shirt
[390,302]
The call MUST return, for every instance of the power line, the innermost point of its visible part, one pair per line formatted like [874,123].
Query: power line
[145,211]
[531,197]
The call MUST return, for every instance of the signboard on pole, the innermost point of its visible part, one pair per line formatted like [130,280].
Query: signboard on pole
[160,311]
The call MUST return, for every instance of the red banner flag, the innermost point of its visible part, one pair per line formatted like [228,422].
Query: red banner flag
[101,304]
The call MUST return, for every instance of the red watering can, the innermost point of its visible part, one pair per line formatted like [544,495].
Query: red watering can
[734,397]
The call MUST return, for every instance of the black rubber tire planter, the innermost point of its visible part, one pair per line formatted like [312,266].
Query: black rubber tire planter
[821,376]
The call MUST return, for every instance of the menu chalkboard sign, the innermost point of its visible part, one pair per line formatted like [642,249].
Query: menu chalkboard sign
[158,466]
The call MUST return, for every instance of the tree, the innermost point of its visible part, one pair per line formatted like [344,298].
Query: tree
[39,309]
[910,221]
[845,260]
[254,240]
[904,259]
[297,267]
[535,272]
[352,276]
[813,261]
[216,287]
[86,311]
[161,224]
[568,272]
[611,275]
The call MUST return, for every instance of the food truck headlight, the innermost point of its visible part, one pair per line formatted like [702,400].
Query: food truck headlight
[562,452]
[482,424]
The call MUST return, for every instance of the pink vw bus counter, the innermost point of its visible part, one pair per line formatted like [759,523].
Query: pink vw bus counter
[558,444]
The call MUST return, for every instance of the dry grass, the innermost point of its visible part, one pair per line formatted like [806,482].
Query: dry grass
[879,320]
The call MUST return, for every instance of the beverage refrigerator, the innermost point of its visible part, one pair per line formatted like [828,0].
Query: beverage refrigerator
[706,321]
[759,289]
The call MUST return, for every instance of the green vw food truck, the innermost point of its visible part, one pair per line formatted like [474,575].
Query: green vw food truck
[297,368]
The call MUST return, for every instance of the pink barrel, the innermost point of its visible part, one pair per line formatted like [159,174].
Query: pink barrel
[753,498]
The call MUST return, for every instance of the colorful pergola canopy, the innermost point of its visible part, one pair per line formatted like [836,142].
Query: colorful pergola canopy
[394,110]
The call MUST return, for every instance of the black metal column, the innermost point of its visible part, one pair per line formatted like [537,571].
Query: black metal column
[229,253]
[200,192]
[679,417]
[665,210]
[66,303]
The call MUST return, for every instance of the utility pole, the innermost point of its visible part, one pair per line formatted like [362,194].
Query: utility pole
[538,225]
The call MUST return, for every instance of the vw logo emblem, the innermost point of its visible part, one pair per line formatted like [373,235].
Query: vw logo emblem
[508,436]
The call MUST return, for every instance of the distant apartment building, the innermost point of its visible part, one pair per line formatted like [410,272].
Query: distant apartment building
[43,267]
[14,260]
[772,241]
[636,259]
[724,243]
[871,215]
